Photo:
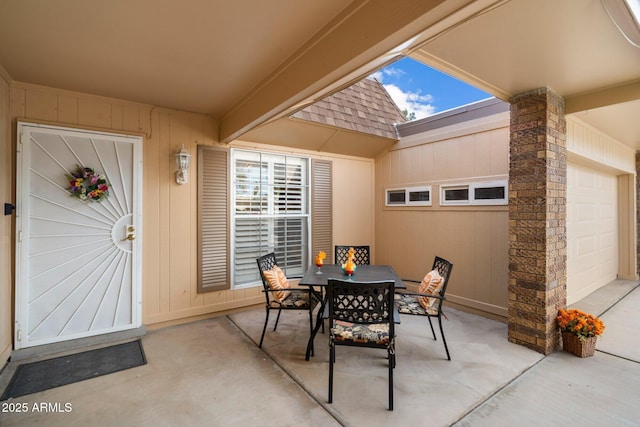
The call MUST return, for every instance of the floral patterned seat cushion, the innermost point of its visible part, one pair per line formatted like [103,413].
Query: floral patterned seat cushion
[408,304]
[377,333]
[294,300]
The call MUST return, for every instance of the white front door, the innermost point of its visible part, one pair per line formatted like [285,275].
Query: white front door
[77,258]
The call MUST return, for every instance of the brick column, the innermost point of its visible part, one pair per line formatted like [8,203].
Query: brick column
[537,219]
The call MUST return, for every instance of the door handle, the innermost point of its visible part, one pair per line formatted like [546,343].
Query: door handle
[131,234]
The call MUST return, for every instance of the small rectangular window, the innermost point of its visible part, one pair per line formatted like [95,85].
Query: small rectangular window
[488,193]
[411,196]
[396,197]
[419,196]
[454,195]
[477,193]
[458,194]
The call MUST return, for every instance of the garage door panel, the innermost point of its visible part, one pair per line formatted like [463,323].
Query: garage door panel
[586,247]
[592,230]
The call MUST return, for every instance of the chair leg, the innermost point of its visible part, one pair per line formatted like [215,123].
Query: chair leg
[432,331]
[277,319]
[264,328]
[392,358]
[392,362]
[443,338]
[322,296]
[320,319]
[332,358]
[311,328]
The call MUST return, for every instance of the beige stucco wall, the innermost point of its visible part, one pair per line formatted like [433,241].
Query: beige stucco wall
[473,238]
[169,288]
[6,222]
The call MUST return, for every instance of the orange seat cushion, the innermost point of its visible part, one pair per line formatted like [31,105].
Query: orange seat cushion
[431,284]
[278,280]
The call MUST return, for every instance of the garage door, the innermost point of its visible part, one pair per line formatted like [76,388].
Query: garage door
[592,230]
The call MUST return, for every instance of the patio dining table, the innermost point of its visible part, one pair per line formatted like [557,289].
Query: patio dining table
[317,282]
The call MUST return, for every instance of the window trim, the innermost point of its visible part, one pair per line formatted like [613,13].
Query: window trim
[234,216]
[407,196]
[457,202]
[472,187]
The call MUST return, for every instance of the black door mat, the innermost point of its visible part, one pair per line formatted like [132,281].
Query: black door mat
[45,374]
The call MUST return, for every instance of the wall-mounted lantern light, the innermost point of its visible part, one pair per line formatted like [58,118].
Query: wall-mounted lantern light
[183,159]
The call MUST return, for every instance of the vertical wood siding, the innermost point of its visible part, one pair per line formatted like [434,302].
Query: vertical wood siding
[591,144]
[473,238]
[7,154]
[169,288]
[170,221]
[353,203]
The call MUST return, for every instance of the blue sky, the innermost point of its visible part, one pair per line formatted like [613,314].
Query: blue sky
[423,90]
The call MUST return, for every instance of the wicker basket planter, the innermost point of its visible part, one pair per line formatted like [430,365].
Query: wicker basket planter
[572,344]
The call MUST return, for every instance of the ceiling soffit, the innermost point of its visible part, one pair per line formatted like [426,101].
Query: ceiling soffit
[194,55]
[571,46]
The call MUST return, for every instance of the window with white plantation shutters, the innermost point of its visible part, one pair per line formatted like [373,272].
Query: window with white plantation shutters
[213,206]
[270,213]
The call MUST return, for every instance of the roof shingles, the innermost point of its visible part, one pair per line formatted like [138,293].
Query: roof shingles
[363,107]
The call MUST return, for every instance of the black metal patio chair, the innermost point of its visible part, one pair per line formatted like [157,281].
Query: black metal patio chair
[279,297]
[428,304]
[361,254]
[361,315]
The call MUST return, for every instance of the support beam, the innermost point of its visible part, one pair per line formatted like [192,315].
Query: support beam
[368,35]
[603,97]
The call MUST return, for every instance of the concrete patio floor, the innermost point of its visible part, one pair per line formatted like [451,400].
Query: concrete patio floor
[212,373]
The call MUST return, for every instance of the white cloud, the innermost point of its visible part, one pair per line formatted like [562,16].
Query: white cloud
[378,75]
[383,74]
[393,72]
[413,102]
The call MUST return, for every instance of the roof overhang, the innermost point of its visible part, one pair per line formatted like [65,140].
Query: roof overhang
[247,63]
[306,135]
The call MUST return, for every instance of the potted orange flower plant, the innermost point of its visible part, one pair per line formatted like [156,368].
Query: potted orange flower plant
[579,331]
